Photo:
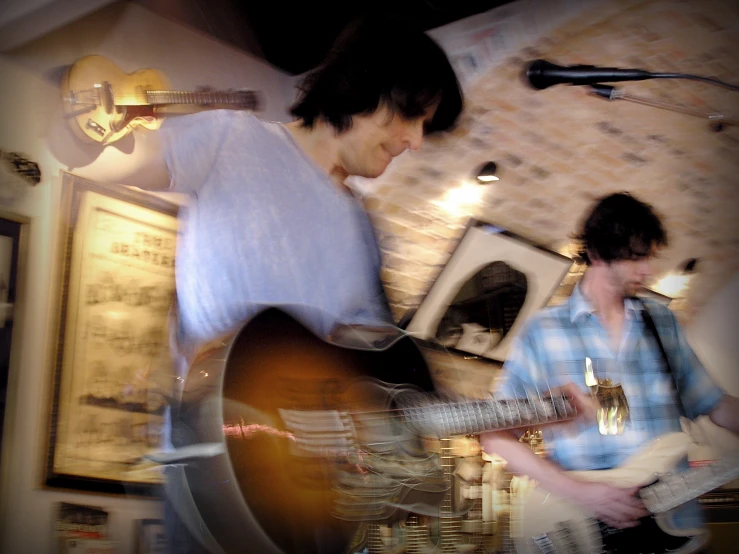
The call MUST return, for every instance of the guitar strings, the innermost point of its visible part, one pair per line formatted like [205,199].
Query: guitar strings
[245,93]
[433,401]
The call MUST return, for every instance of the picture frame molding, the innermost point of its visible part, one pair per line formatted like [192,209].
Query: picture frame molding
[73,190]
[426,318]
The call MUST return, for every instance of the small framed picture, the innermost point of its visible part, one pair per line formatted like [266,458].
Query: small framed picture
[493,281]
[150,536]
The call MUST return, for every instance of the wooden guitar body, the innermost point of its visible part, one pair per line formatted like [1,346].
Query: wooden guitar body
[108,101]
[271,489]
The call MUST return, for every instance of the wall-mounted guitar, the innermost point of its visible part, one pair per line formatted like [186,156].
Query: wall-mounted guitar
[103,104]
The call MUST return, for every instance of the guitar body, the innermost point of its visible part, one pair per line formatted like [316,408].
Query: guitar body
[274,488]
[103,104]
[110,102]
[543,522]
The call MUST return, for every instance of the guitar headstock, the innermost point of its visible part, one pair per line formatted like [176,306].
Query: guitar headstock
[239,99]
[247,100]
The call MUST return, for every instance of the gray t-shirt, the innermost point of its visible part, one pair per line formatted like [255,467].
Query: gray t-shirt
[265,227]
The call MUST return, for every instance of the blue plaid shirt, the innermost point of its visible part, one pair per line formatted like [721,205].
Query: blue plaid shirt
[551,350]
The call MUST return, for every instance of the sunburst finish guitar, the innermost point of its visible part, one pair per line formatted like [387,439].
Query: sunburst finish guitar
[103,104]
[308,438]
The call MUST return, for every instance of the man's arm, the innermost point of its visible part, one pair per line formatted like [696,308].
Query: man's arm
[145,167]
[616,506]
[525,370]
[726,413]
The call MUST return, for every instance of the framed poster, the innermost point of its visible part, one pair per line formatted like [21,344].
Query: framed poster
[112,374]
[493,281]
[150,536]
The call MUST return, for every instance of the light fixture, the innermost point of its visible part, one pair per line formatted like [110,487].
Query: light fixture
[17,175]
[486,173]
[675,284]
[689,266]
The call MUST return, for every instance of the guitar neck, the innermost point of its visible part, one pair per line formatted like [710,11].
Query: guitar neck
[674,490]
[437,418]
[245,99]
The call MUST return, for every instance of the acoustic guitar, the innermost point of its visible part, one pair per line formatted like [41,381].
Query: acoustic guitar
[103,104]
[297,441]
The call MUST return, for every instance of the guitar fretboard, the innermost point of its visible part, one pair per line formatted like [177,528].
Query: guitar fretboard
[245,99]
[445,419]
[674,490]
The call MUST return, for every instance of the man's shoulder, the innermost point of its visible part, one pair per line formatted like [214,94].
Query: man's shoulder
[660,313]
[550,317]
[215,118]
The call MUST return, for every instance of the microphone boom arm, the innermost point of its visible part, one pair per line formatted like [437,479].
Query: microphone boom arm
[542,74]
[612,93]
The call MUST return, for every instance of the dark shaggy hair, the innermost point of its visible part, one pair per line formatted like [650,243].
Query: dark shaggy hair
[381,62]
[620,227]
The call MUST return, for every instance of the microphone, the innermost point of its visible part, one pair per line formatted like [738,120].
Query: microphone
[542,74]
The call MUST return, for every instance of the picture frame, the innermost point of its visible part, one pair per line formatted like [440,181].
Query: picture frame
[14,231]
[150,536]
[488,260]
[112,372]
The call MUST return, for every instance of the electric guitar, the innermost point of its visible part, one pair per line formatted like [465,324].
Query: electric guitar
[103,104]
[306,439]
[548,524]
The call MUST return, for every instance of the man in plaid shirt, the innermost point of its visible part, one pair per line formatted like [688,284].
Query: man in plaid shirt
[603,321]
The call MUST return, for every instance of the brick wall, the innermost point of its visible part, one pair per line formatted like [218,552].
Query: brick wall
[560,148]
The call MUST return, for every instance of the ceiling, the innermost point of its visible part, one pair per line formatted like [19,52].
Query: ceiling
[294,37]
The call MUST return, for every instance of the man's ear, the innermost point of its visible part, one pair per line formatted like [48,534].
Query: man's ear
[594,258]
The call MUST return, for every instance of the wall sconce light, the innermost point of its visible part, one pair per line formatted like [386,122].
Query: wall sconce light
[689,266]
[486,173]
[675,283]
[17,174]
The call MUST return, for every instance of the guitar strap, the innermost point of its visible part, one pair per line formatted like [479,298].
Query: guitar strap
[652,328]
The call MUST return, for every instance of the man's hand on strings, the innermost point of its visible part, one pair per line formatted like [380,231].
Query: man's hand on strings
[618,507]
[584,403]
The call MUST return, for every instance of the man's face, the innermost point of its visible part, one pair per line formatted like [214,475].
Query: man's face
[374,140]
[627,276]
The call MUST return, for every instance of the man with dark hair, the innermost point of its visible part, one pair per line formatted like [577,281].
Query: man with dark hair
[271,220]
[381,63]
[621,227]
[603,325]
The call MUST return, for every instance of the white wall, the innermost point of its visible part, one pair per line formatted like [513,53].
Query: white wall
[31,122]
[713,335]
